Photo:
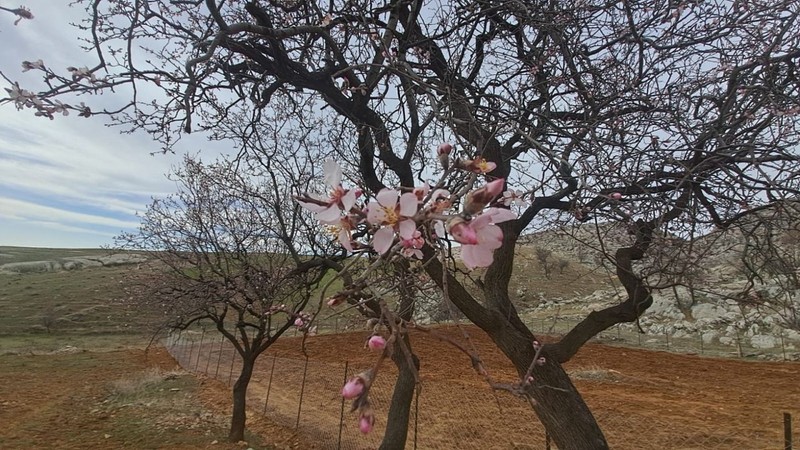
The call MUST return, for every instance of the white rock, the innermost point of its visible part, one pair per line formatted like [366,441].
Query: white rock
[763,341]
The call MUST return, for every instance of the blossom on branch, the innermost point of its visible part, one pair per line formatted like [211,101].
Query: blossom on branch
[392,215]
[329,211]
[480,237]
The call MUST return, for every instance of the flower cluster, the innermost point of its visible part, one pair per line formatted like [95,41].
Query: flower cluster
[400,220]
[357,389]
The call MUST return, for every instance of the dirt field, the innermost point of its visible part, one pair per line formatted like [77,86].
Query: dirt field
[643,400]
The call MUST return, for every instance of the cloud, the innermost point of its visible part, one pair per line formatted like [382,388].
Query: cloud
[25,211]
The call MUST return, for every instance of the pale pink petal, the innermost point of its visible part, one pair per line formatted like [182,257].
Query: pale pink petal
[407,229]
[438,228]
[344,239]
[333,173]
[313,207]
[349,199]
[481,221]
[375,213]
[382,241]
[500,215]
[476,256]
[330,215]
[408,204]
[490,237]
[387,198]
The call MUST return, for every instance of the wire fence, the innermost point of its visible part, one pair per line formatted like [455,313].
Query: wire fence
[305,395]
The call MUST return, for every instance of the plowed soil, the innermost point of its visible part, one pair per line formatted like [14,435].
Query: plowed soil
[642,399]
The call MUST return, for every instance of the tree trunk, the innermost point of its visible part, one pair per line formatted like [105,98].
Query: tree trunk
[239,416]
[397,420]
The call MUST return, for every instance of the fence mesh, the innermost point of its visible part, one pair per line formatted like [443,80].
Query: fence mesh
[304,394]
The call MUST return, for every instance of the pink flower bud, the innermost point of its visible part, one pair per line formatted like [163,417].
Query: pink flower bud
[615,196]
[298,322]
[366,422]
[336,300]
[444,149]
[376,343]
[353,388]
[479,198]
[462,232]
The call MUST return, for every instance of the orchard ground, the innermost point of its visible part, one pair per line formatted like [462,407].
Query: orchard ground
[135,399]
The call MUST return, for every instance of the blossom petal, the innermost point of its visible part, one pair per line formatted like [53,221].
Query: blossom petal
[500,215]
[490,237]
[409,203]
[344,239]
[349,199]
[313,207]
[382,241]
[375,213]
[330,215]
[387,198]
[407,228]
[333,173]
[476,256]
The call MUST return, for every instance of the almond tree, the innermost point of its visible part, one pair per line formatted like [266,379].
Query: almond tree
[229,253]
[661,117]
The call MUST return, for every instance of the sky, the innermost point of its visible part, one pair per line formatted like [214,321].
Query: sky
[71,182]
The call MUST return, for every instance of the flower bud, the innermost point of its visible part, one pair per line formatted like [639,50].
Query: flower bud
[353,388]
[615,196]
[376,343]
[443,153]
[366,422]
[479,198]
[336,300]
[461,231]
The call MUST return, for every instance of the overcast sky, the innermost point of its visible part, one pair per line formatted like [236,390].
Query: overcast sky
[72,181]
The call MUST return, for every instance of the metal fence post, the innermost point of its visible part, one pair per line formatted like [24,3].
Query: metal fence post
[787,431]
[341,412]
[269,384]
[302,388]
[191,352]
[199,350]
[219,356]
[233,358]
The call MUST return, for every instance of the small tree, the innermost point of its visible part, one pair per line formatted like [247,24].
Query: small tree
[225,258]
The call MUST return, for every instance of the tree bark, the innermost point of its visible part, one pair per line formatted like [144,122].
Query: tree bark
[399,409]
[239,417]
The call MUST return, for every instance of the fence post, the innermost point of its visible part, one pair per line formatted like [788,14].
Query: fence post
[269,384]
[233,358]
[219,356]
[666,335]
[199,350]
[787,431]
[783,345]
[416,415]
[191,351]
[302,389]
[341,412]
[546,440]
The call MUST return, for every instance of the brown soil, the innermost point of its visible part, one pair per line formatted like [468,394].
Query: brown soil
[642,399]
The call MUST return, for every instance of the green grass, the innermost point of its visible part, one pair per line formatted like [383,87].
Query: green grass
[28,254]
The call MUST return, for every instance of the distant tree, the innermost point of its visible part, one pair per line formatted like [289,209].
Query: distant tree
[228,252]
[661,118]
[562,265]
[543,256]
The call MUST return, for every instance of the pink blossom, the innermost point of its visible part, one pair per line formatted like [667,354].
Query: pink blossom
[366,422]
[478,165]
[385,210]
[512,197]
[298,322]
[615,196]
[336,300]
[353,388]
[328,211]
[376,343]
[412,246]
[481,236]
